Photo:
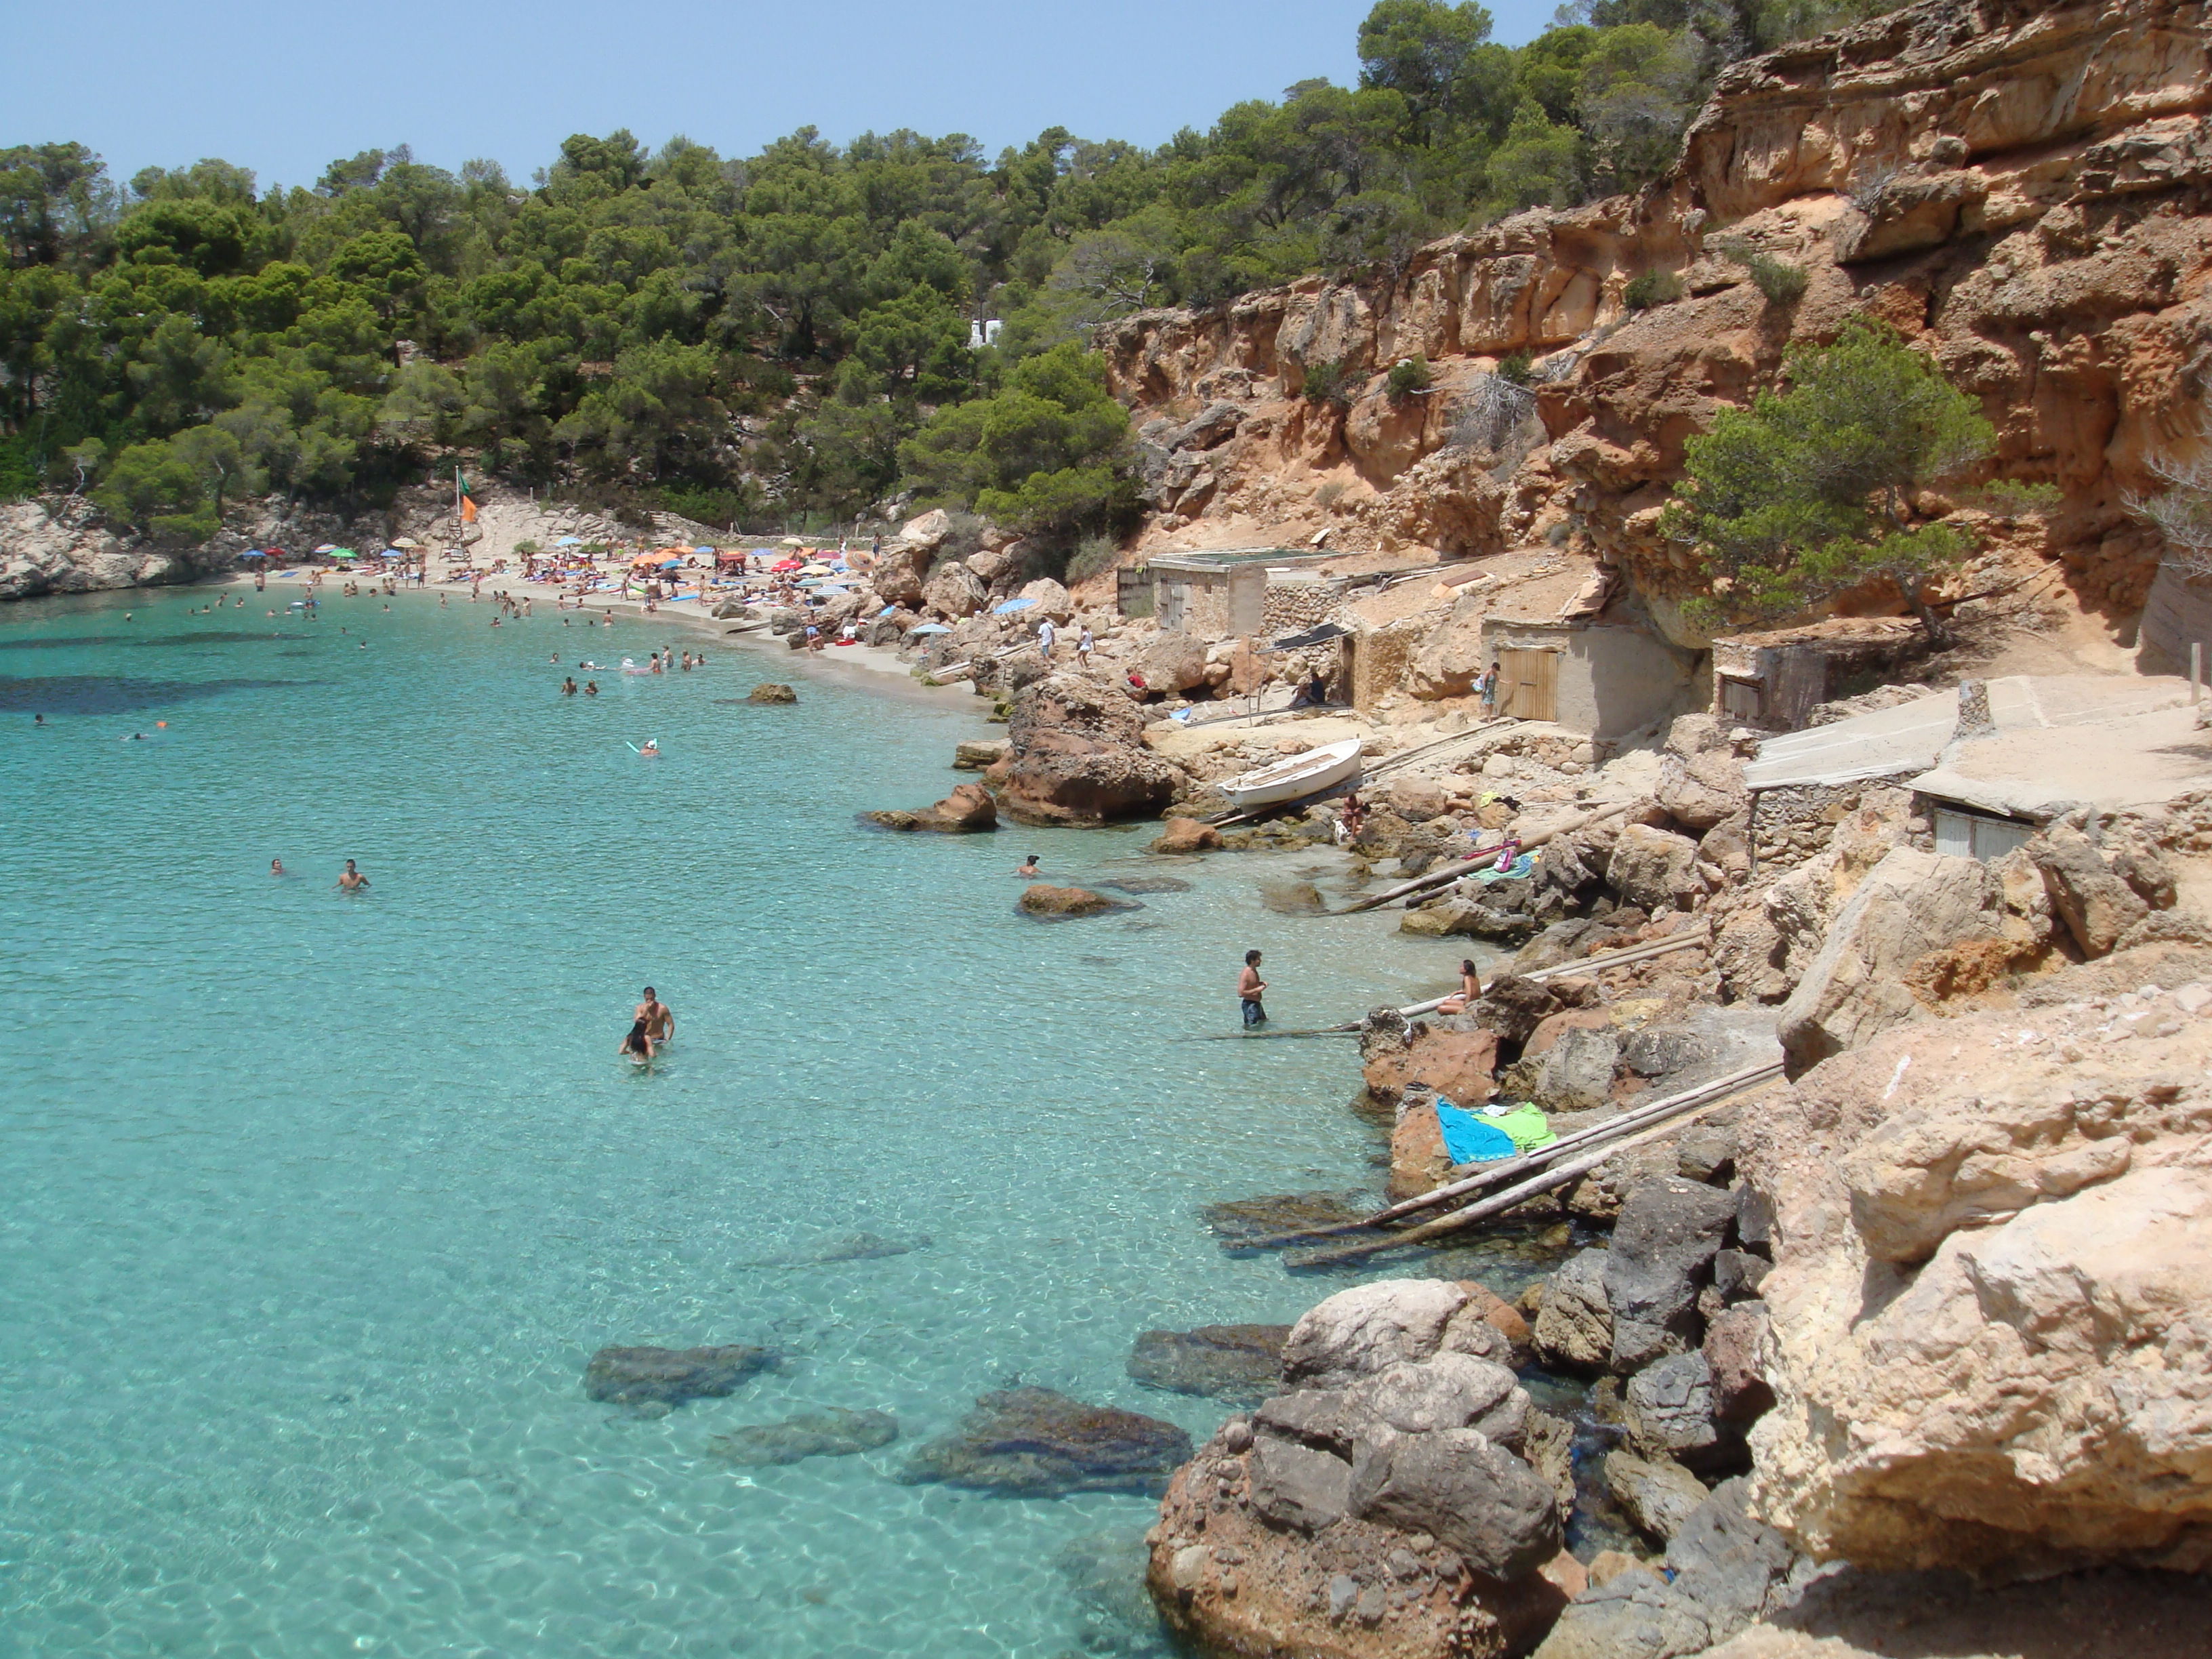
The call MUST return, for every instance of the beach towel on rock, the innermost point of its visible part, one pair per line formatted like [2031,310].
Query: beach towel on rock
[1522,866]
[1470,1139]
[1526,1123]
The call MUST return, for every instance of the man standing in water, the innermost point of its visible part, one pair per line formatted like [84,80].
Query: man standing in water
[353,881]
[659,1024]
[1250,987]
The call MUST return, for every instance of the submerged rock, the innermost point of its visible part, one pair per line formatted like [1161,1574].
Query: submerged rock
[845,1246]
[1035,1443]
[1228,1362]
[1069,903]
[1148,884]
[1293,898]
[633,1376]
[1241,1218]
[830,1432]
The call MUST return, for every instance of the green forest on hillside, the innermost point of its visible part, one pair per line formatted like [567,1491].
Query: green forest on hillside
[782,338]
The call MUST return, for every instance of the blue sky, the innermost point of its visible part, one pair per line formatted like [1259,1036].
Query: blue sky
[284,87]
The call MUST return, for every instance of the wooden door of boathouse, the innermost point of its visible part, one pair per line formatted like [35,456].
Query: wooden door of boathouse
[1529,684]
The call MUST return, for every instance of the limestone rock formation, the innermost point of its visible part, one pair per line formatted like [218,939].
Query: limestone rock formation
[968,810]
[1076,755]
[771,691]
[62,547]
[1910,906]
[1993,1240]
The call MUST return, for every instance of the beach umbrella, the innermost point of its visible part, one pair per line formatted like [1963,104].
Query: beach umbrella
[831,588]
[250,554]
[794,544]
[569,541]
[327,547]
[816,569]
[1011,606]
[407,542]
[930,627]
[343,553]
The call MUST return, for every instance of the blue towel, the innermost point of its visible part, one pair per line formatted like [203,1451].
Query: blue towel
[1468,1140]
[1522,866]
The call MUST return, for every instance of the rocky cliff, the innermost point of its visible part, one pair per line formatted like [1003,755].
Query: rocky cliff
[2021,189]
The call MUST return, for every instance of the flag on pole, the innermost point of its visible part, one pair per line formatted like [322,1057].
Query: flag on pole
[462,504]
[468,511]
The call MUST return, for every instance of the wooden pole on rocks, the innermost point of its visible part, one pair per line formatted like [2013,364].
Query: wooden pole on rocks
[1644,1130]
[1628,1123]
[1439,878]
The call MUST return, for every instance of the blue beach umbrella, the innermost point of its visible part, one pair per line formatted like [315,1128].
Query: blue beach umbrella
[251,553]
[1011,606]
[569,541]
[930,627]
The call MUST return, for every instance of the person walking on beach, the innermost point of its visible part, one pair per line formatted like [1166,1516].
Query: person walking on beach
[1250,989]
[1488,686]
[1048,636]
[1083,647]
[352,880]
[653,1014]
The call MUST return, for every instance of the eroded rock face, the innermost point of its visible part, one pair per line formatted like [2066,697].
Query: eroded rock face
[1989,1346]
[1038,1443]
[62,547]
[1910,906]
[1076,755]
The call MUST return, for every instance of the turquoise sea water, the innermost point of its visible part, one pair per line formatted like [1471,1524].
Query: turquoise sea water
[316,1204]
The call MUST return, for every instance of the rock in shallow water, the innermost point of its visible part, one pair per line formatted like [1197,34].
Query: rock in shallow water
[1228,1362]
[832,1432]
[1148,884]
[1037,1444]
[771,691]
[1061,903]
[1241,1218]
[633,1376]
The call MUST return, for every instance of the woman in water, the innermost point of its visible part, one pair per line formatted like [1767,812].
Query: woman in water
[637,1047]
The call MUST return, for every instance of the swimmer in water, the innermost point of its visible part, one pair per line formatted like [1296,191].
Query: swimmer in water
[1029,867]
[637,1047]
[654,1015]
[276,866]
[136,737]
[568,686]
[591,688]
[37,719]
[353,881]
[651,751]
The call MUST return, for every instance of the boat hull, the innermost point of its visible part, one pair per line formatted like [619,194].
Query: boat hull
[1337,763]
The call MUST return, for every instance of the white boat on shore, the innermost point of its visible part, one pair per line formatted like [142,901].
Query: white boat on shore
[1295,776]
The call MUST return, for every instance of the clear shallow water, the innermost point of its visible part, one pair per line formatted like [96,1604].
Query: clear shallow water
[316,1205]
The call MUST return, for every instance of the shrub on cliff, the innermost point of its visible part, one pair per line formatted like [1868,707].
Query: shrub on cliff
[1046,456]
[1652,288]
[1807,494]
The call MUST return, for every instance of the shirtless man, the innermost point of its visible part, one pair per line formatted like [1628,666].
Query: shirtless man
[353,881]
[659,1024]
[1250,989]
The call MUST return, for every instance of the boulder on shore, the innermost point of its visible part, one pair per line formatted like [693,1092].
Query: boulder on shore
[1076,755]
[968,809]
[1035,1442]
